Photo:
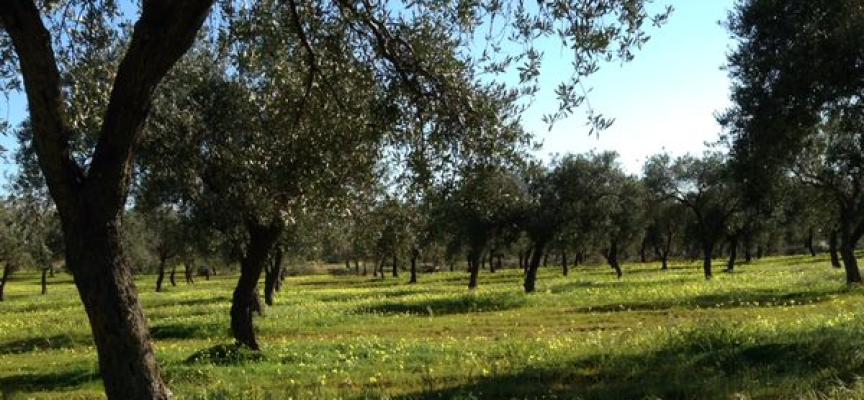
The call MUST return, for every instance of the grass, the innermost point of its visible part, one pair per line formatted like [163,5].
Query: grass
[783,327]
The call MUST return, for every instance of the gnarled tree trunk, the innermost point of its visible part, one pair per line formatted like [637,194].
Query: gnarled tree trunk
[533,266]
[474,260]
[612,257]
[161,276]
[245,301]
[733,253]
[707,249]
[832,243]
[7,272]
[272,276]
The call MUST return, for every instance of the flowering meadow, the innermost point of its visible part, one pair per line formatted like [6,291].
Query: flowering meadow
[781,327]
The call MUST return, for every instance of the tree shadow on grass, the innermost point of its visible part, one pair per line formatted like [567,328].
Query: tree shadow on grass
[448,305]
[46,382]
[55,342]
[185,331]
[740,299]
[702,366]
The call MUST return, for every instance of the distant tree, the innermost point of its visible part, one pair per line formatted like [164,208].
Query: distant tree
[705,186]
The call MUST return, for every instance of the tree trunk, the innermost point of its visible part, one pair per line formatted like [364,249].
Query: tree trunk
[7,271]
[521,254]
[759,251]
[835,258]
[642,246]
[161,274]
[357,266]
[533,266]
[809,242]
[545,260]
[733,253]
[565,269]
[415,254]
[612,258]
[44,281]
[474,259]
[107,289]
[262,238]
[171,276]
[492,260]
[188,270]
[272,276]
[847,252]
[395,266]
[707,248]
[498,260]
[51,270]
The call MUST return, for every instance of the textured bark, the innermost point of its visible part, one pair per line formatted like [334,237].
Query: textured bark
[172,275]
[564,268]
[733,253]
[395,266]
[707,249]
[246,300]
[612,258]
[272,276]
[534,264]
[189,271]
[44,281]
[161,275]
[808,242]
[7,272]
[474,259]
[847,253]
[91,205]
[415,254]
[492,260]
[835,258]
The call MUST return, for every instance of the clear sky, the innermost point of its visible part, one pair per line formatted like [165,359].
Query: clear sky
[664,100]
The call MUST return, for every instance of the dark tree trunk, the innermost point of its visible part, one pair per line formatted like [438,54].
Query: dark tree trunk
[521,255]
[835,258]
[171,276]
[564,268]
[492,260]
[415,254]
[245,301]
[51,270]
[474,259]
[107,289]
[357,266]
[533,266]
[364,268]
[188,271]
[612,258]
[498,261]
[759,251]
[707,249]
[91,204]
[809,242]
[7,271]
[272,276]
[545,260]
[44,281]
[642,247]
[395,266]
[733,253]
[847,252]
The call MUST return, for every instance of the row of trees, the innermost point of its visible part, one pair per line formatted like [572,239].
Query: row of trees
[282,109]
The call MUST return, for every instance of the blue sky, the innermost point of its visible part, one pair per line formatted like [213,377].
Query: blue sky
[664,100]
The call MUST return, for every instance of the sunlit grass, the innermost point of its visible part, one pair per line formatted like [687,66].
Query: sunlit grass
[781,327]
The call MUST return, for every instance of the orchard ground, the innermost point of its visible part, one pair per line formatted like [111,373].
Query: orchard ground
[782,327]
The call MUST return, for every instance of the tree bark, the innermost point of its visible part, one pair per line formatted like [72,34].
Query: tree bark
[545,260]
[357,266]
[245,301]
[533,266]
[395,266]
[642,246]
[612,257]
[44,281]
[498,259]
[161,276]
[272,276]
[847,252]
[733,253]
[188,271]
[474,259]
[809,242]
[565,269]
[492,260]
[415,254]
[7,272]
[172,274]
[835,258]
[707,249]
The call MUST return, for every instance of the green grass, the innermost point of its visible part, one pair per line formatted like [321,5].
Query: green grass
[784,327]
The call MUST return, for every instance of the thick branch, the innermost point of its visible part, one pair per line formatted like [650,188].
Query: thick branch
[164,33]
[32,43]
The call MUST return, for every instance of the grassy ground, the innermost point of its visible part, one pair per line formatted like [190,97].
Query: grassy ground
[783,327]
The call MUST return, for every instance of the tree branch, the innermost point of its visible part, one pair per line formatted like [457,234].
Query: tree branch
[32,43]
